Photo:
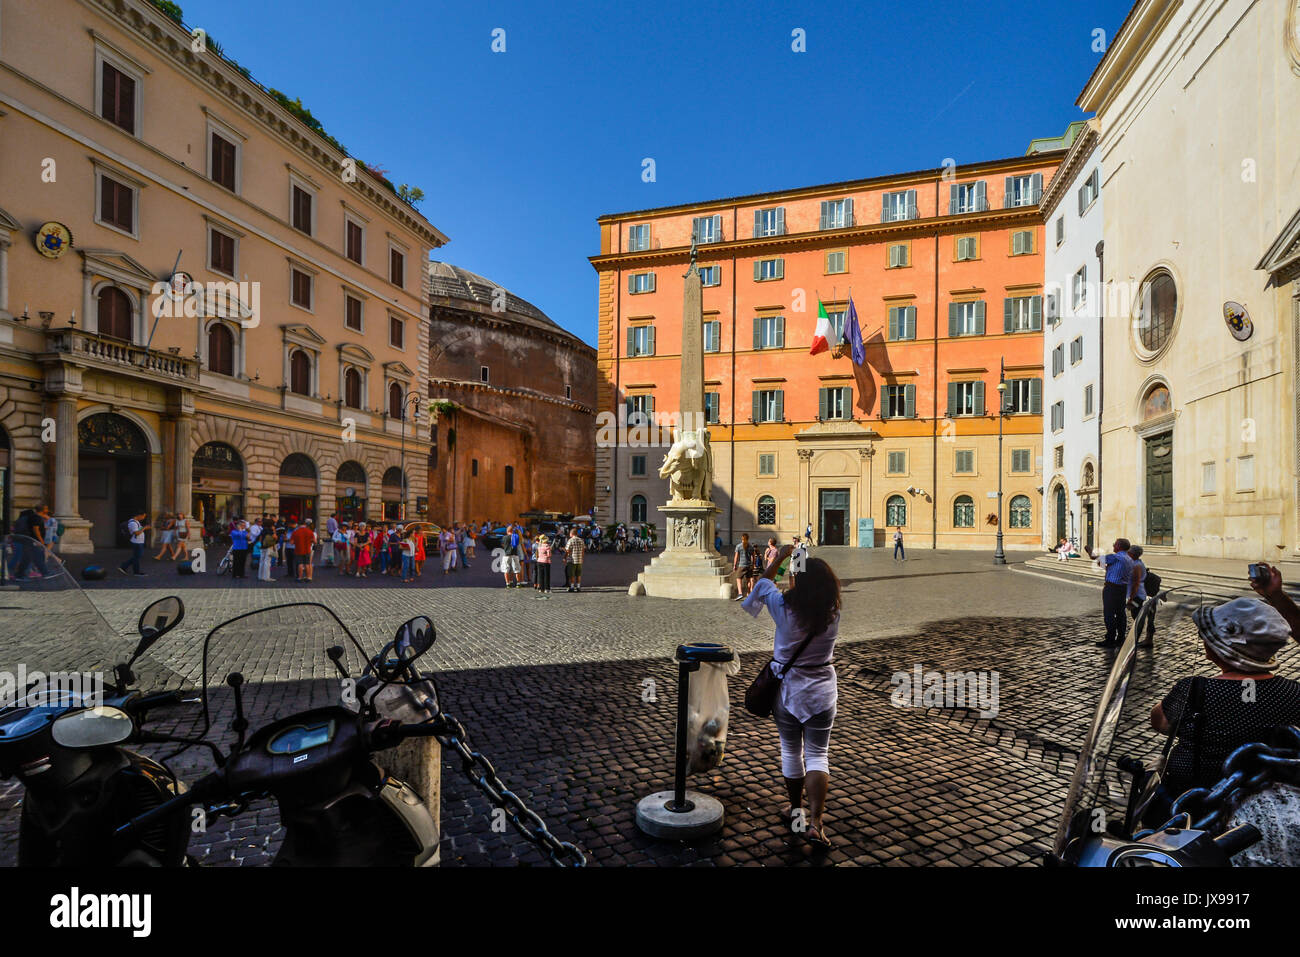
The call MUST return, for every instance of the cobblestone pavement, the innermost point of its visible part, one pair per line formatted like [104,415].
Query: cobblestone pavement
[552,692]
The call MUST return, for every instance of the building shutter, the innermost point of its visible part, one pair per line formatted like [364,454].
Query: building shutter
[909,322]
[821,404]
[650,340]
[826,215]
[758,332]
[909,401]
[780,220]
[1008,195]
[631,340]
[884,207]
[979,318]
[758,270]
[1036,396]
[952,319]
[954,198]
[717,227]
[1082,204]
[895,331]
[627,407]
[847,412]
[780,269]
[952,399]
[755,406]
[848,211]
[1036,313]
[911,204]
[780,405]
[979,397]
[780,332]
[981,195]
[1036,187]
[1008,314]
[758,227]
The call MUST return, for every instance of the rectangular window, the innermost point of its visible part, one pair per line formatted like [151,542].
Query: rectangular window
[116,204]
[898,402]
[1025,396]
[712,413]
[967,248]
[1060,229]
[967,198]
[767,463]
[837,261]
[639,282]
[510,479]
[483,374]
[902,323]
[710,275]
[638,465]
[1089,190]
[769,405]
[966,398]
[837,320]
[1052,308]
[117,92]
[638,238]
[302,209]
[221,252]
[713,336]
[897,463]
[899,255]
[641,340]
[966,318]
[707,229]
[396,332]
[836,214]
[769,332]
[1024,190]
[1087,400]
[1209,478]
[1079,288]
[640,409]
[1058,416]
[223,162]
[1023,314]
[396,267]
[769,222]
[1076,350]
[1022,242]
[766,269]
[1058,360]
[898,206]
[354,241]
[1058,456]
[964,461]
[301,291]
[352,313]
[1020,460]
[835,404]
[1245,473]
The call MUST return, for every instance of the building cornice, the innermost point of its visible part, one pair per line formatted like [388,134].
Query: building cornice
[475,313]
[793,242]
[483,388]
[1085,144]
[1140,29]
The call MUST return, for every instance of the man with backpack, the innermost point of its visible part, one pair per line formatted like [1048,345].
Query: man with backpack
[31,525]
[134,528]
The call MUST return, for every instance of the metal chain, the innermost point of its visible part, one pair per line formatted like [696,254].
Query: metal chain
[483,776]
[1246,770]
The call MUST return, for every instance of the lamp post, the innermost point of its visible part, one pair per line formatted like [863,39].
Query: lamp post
[999,556]
[407,399]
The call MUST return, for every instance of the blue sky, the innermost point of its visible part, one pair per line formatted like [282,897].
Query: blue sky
[519,152]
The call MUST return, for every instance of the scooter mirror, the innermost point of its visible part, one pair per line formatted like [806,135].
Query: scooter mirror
[156,620]
[414,638]
[92,728]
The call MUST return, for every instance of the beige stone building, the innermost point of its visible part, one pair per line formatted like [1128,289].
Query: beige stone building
[277,381]
[1197,104]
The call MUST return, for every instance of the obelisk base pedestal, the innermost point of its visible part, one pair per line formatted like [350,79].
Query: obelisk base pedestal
[688,567]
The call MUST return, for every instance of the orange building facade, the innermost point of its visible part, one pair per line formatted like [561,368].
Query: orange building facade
[945,271]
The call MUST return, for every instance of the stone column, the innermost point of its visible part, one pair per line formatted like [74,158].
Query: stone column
[805,515]
[76,530]
[866,507]
[183,465]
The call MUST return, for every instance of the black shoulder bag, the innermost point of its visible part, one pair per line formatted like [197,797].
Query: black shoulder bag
[760,697]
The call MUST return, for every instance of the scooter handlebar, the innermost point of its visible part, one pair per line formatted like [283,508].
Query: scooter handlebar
[205,787]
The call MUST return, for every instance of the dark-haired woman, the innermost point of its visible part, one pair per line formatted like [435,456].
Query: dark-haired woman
[807,615]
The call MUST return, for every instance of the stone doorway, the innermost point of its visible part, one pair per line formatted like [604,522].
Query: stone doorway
[833,509]
[113,476]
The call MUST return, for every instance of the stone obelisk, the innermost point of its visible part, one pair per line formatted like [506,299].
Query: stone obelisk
[689,567]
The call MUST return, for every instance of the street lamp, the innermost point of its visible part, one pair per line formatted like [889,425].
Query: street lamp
[999,556]
[407,399]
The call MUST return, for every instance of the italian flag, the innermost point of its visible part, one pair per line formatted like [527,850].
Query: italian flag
[823,333]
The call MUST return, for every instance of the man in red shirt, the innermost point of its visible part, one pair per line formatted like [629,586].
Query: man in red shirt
[304,541]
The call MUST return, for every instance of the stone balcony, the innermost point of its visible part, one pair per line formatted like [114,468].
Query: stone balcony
[101,352]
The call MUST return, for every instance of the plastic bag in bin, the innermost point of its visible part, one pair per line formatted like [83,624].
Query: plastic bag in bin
[707,708]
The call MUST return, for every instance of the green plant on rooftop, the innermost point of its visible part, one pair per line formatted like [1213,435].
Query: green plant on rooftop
[172,10]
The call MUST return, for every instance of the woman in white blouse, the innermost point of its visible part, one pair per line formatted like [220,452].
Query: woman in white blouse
[807,615]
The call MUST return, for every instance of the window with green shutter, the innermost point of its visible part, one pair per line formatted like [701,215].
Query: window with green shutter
[766,270]
[711,408]
[964,461]
[897,464]
[769,332]
[902,323]
[898,255]
[1020,460]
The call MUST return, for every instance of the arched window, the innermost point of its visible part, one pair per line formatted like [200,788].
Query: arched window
[351,473]
[1022,513]
[221,349]
[766,510]
[638,508]
[963,512]
[300,373]
[297,465]
[1156,403]
[896,510]
[1156,310]
[352,388]
[395,403]
[114,313]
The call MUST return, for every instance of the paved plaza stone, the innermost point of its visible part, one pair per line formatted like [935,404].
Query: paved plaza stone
[553,693]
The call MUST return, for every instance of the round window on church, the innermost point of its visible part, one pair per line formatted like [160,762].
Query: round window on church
[1157,309]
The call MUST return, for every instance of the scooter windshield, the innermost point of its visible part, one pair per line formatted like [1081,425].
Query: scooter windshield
[52,636]
[282,654]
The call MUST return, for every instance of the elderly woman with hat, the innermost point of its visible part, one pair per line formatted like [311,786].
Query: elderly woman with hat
[1235,707]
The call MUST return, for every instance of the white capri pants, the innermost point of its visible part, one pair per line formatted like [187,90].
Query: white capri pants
[805,745]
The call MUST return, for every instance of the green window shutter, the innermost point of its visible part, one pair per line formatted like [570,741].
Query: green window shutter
[758,270]
[979,397]
[758,332]
[894,330]
[650,340]
[1008,314]
[1036,313]
[1036,396]
[780,220]
[979,317]
[650,405]
[758,224]
[952,399]
[1036,187]
[780,405]
[780,269]
[981,195]
[826,214]
[884,207]
[631,340]
[780,332]
[848,401]
[911,201]
[1008,192]
[821,404]
[848,211]
[717,227]
[756,406]
[627,409]
[954,192]
[952,319]
[909,322]
[909,401]
[629,284]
